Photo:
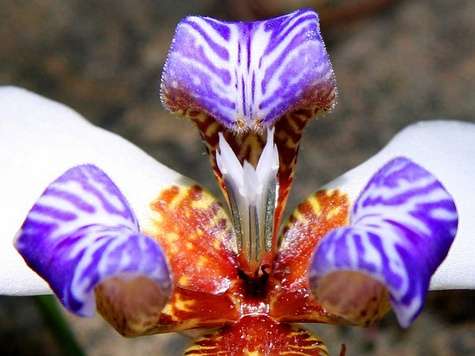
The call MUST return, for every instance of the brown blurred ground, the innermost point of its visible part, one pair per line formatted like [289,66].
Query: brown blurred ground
[414,60]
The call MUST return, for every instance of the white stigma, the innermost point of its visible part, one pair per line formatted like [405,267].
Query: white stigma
[252,196]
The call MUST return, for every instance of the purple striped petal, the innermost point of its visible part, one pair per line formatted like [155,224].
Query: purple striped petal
[248,74]
[402,226]
[81,232]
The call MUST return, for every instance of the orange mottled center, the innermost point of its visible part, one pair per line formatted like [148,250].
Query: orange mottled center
[210,288]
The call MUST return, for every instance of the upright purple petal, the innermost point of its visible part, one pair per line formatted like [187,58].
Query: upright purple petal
[402,226]
[82,232]
[248,74]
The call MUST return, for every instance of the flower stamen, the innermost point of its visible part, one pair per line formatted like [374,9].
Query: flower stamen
[252,197]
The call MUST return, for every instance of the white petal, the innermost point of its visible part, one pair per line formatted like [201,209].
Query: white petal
[252,185]
[228,163]
[447,150]
[251,196]
[39,140]
[268,164]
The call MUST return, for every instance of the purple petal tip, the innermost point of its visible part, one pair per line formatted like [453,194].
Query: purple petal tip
[401,229]
[81,232]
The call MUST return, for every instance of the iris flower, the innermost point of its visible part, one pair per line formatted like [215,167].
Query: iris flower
[107,228]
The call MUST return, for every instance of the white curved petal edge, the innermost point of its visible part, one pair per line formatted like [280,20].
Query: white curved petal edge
[447,150]
[39,140]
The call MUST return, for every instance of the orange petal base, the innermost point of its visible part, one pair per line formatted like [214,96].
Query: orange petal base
[290,295]
[197,236]
[258,335]
[211,290]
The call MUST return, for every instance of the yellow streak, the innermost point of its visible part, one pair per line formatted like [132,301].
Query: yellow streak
[202,260]
[332,213]
[253,353]
[298,215]
[171,237]
[212,129]
[182,193]
[183,305]
[183,281]
[316,207]
[203,203]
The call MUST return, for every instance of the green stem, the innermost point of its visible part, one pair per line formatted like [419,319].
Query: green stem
[58,325]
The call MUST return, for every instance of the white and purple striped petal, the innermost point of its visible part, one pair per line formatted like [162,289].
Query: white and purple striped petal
[402,226]
[248,74]
[81,232]
[39,140]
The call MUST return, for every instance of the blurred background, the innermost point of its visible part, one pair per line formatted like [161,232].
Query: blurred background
[396,62]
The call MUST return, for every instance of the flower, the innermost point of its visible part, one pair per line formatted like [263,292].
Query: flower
[155,252]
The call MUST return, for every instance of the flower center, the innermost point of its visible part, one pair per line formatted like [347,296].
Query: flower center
[252,198]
